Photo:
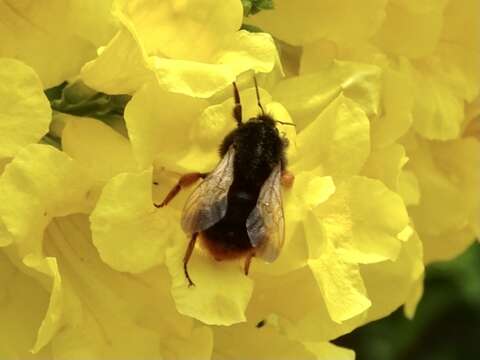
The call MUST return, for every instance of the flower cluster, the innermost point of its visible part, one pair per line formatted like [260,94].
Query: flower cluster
[385,153]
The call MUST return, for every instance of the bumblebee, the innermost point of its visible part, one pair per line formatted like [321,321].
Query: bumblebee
[236,211]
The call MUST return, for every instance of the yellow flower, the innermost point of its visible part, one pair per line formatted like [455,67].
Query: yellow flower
[24,110]
[425,60]
[190,47]
[384,162]
[54,37]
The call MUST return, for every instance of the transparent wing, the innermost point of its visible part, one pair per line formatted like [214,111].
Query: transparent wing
[208,202]
[265,224]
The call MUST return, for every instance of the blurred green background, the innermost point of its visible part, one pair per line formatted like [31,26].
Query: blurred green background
[446,325]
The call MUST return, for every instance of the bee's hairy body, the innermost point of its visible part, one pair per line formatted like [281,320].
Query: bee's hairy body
[236,211]
[258,149]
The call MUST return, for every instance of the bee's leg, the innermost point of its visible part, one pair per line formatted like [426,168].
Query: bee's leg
[237,110]
[287,179]
[248,260]
[188,253]
[184,181]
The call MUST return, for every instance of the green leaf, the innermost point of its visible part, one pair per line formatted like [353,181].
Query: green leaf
[80,100]
[251,7]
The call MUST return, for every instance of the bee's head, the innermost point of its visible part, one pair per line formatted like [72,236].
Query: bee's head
[270,120]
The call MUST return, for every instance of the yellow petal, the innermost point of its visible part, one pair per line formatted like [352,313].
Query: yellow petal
[411,33]
[437,112]
[461,24]
[93,20]
[303,21]
[457,67]
[341,285]
[306,96]
[192,78]
[40,183]
[128,232]
[102,151]
[386,165]
[158,125]
[340,137]
[390,283]
[447,245]
[245,341]
[221,292]
[24,302]
[318,55]
[109,314]
[203,24]
[25,112]
[245,50]
[329,351]
[53,320]
[304,318]
[414,297]
[198,345]
[121,67]
[362,219]
[448,175]
[398,99]
[34,32]
[408,188]
[241,52]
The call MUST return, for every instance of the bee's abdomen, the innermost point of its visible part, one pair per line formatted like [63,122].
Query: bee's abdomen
[228,239]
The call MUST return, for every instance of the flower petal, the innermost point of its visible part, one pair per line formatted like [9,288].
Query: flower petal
[128,232]
[437,112]
[340,137]
[245,341]
[40,183]
[341,285]
[408,188]
[410,32]
[386,165]
[192,78]
[53,320]
[32,32]
[390,283]
[304,318]
[120,68]
[447,245]
[329,351]
[23,305]
[398,100]
[241,51]
[107,313]
[306,96]
[203,24]
[221,292]
[97,147]
[448,186]
[362,219]
[25,112]
[155,114]
[342,21]
[246,50]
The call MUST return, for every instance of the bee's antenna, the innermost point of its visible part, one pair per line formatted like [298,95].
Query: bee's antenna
[285,123]
[258,95]
[237,110]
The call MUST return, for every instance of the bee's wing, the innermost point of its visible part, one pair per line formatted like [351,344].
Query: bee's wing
[265,224]
[208,202]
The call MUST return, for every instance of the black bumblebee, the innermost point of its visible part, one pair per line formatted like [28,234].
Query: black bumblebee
[236,211]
